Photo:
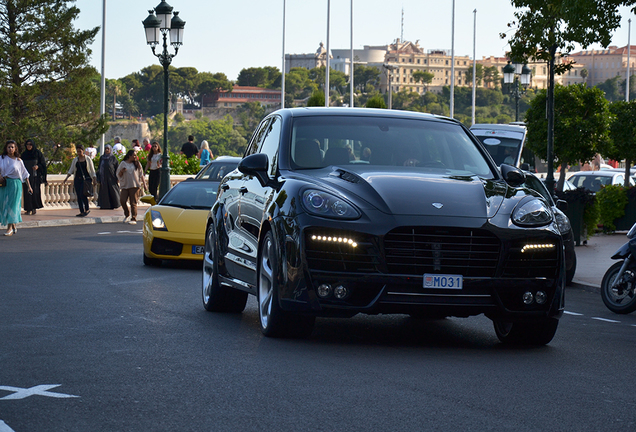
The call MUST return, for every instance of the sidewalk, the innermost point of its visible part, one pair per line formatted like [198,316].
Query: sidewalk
[593,259]
[63,217]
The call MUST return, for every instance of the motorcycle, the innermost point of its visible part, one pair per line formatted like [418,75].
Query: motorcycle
[618,288]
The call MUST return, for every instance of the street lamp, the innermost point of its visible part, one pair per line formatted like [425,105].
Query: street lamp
[157,27]
[389,68]
[517,74]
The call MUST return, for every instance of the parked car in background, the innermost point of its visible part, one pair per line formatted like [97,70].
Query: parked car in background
[339,211]
[563,222]
[595,180]
[506,144]
[216,169]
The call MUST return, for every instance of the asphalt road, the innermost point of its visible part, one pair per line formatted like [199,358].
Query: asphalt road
[91,340]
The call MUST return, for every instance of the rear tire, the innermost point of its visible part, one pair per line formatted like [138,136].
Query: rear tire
[216,297]
[275,322]
[621,299]
[539,332]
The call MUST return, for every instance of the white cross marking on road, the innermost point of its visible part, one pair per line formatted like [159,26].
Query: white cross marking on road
[4,427]
[40,390]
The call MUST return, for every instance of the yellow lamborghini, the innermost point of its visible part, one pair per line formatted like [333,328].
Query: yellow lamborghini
[174,229]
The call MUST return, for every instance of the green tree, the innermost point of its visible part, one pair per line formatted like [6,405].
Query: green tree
[317,99]
[376,101]
[543,28]
[425,77]
[365,75]
[622,133]
[266,77]
[47,89]
[580,131]
[479,75]
[613,88]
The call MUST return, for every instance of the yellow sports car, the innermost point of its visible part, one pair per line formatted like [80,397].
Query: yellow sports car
[174,229]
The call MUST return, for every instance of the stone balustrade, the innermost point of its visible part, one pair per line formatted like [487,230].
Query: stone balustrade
[59,195]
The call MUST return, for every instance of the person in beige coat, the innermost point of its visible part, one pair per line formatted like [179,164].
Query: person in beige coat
[131,179]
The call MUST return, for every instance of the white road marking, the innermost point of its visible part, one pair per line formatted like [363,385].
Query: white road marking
[572,313]
[40,390]
[4,427]
[605,320]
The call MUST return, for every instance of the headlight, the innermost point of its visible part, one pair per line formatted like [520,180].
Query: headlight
[324,204]
[157,221]
[562,222]
[532,213]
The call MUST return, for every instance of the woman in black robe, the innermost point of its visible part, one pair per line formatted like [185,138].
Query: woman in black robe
[35,164]
[108,184]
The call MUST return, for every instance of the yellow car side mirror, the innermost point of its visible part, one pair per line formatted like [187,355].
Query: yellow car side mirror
[148,199]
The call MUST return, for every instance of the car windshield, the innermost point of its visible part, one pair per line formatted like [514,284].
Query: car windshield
[502,150]
[591,182]
[216,170]
[321,141]
[196,194]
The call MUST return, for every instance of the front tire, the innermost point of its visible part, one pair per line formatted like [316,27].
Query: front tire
[216,297]
[622,298]
[276,322]
[538,332]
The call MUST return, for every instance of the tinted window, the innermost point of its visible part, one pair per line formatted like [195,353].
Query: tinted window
[329,140]
[257,138]
[270,142]
[192,194]
[216,171]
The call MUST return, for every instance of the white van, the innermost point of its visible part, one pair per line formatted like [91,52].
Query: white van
[505,143]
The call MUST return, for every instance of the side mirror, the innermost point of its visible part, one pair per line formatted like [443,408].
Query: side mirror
[256,165]
[512,175]
[562,205]
[148,199]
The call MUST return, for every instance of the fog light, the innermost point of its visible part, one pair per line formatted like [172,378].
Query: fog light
[541,297]
[528,298]
[340,292]
[324,290]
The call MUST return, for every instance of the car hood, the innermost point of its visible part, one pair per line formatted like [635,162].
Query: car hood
[421,193]
[183,220]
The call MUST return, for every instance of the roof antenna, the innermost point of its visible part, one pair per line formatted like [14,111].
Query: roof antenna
[402,27]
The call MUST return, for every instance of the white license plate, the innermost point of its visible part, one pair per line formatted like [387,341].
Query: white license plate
[198,250]
[443,281]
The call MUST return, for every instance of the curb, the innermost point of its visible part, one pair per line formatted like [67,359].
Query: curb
[70,221]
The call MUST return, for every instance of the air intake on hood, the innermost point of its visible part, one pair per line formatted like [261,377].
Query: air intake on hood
[346,176]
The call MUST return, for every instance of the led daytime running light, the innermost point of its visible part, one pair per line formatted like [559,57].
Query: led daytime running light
[329,239]
[534,247]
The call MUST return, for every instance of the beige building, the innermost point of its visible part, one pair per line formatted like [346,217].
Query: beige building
[539,76]
[607,63]
[407,57]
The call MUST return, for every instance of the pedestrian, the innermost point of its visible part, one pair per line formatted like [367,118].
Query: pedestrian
[131,179]
[83,170]
[136,146]
[147,146]
[205,154]
[153,168]
[118,147]
[108,197]
[91,151]
[12,174]
[189,149]
[35,165]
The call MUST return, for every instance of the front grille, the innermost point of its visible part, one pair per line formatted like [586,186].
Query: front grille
[166,247]
[537,264]
[465,251]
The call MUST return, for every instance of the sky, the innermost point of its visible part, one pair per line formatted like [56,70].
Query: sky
[232,35]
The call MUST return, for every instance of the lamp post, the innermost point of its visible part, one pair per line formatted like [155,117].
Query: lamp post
[517,74]
[157,27]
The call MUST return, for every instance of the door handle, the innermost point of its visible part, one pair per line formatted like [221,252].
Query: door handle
[225,186]
[243,190]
